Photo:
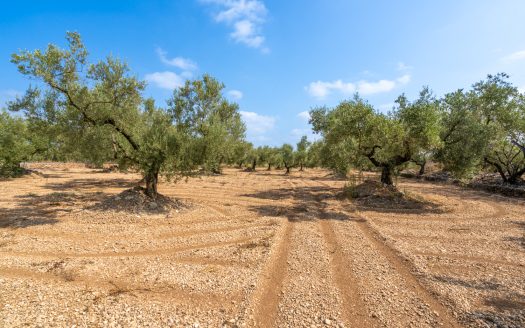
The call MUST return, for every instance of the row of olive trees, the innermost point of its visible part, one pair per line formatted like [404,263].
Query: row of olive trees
[306,154]
[97,112]
[466,131]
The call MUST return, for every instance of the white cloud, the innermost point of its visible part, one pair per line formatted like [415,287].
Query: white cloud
[515,56]
[404,79]
[245,17]
[321,89]
[369,88]
[257,124]
[180,62]
[235,94]
[304,116]
[403,67]
[522,89]
[244,32]
[165,80]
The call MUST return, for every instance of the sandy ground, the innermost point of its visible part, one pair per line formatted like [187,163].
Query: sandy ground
[256,249]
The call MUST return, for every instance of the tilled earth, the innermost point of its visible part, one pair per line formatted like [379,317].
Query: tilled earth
[256,249]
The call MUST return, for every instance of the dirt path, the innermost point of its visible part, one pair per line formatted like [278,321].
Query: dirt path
[257,249]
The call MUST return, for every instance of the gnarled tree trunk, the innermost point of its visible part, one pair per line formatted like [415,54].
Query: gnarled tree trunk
[269,167]
[152,178]
[422,166]
[287,168]
[386,175]
[254,164]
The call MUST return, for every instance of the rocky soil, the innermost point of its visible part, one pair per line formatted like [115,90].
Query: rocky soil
[254,249]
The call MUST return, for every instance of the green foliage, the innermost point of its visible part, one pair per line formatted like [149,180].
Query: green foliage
[484,126]
[240,153]
[288,157]
[314,154]
[200,111]
[15,146]
[302,151]
[103,102]
[355,134]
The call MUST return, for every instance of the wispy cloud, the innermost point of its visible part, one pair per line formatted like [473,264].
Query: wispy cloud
[165,80]
[515,56]
[235,94]
[246,17]
[403,67]
[305,116]
[256,123]
[321,89]
[180,62]
[168,79]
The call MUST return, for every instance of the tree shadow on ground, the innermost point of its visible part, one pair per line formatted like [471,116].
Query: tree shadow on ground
[507,307]
[306,204]
[91,184]
[448,189]
[131,199]
[506,311]
[518,240]
[478,284]
[312,196]
[404,206]
[33,210]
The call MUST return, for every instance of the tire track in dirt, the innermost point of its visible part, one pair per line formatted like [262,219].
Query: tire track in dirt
[267,296]
[141,253]
[117,286]
[265,299]
[94,236]
[401,267]
[354,308]
[397,263]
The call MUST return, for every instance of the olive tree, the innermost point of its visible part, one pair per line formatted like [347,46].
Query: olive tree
[240,153]
[105,95]
[387,141]
[200,110]
[302,152]
[288,157]
[15,146]
[485,125]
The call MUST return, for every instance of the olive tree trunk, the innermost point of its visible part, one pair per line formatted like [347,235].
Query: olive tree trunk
[152,178]
[422,166]
[386,175]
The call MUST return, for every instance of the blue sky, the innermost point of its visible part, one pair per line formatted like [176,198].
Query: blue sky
[278,59]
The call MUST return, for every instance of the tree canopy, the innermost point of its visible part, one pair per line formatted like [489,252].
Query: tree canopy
[361,135]
[193,131]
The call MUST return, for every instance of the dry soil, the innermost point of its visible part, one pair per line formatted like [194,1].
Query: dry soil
[256,249]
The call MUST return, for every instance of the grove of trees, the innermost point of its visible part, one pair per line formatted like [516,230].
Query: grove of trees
[96,112]
[466,131]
